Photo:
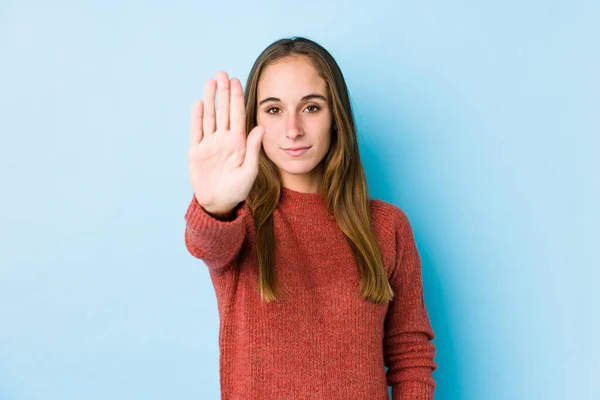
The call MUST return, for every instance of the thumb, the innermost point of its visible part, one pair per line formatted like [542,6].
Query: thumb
[253,145]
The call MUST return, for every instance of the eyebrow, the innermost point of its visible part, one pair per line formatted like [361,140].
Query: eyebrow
[307,97]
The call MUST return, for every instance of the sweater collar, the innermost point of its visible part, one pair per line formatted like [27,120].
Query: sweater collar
[308,204]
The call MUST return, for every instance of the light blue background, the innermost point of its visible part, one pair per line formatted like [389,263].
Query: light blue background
[479,119]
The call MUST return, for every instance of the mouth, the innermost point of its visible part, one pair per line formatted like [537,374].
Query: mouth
[297,151]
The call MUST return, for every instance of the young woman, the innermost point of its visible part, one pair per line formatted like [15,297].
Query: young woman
[318,286]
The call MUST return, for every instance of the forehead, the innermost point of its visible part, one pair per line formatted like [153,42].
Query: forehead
[291,79]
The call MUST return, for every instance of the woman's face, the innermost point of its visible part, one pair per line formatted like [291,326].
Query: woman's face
[292,105]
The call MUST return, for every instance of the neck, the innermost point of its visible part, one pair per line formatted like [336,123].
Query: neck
[307,183]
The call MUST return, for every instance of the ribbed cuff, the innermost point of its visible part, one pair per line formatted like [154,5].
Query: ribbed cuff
[410,390]
[198,218]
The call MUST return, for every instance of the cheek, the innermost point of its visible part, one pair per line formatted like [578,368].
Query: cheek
[272,130]
[269,144]
[320,124]
[273,126]
[321,131]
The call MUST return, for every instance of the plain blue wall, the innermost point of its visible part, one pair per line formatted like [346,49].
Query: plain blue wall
[479,119]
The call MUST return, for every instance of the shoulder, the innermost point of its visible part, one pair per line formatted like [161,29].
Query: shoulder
[388,217]
[395,235]
[392,228]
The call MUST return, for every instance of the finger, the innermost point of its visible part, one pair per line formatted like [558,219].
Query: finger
[196,123]
[254,145]
[209,107]
[237,114]
[223,104]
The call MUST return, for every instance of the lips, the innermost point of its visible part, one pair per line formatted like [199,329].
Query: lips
[297,148]
[296,151]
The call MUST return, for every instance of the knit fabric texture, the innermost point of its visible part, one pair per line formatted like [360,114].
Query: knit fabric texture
[322,340]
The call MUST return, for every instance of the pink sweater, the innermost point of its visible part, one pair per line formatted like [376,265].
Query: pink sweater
[323,341]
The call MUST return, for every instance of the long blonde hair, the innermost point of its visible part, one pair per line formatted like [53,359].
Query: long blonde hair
[344,184]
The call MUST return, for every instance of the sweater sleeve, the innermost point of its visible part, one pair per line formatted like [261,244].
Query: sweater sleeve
[408,350]
[214,241]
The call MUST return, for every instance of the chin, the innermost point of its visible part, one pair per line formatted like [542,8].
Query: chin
[297,168]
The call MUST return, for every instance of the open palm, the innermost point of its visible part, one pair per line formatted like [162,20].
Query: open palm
[222,160]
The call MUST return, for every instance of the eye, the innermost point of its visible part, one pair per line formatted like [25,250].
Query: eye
[268,110]
[315,108]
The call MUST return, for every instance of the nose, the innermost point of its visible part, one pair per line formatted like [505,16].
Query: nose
[293,127]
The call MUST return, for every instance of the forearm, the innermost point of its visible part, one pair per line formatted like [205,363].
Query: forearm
[215,236]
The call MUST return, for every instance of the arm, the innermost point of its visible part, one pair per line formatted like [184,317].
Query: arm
[214,240]
[408,350]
